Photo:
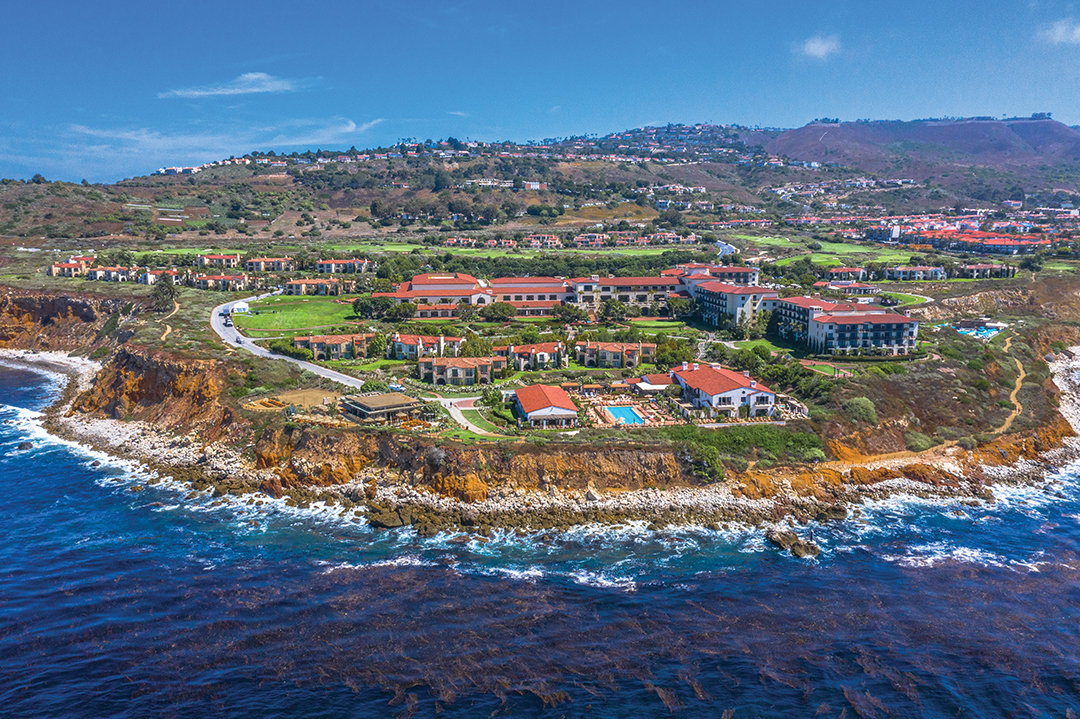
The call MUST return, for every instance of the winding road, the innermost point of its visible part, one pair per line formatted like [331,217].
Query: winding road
[232,338]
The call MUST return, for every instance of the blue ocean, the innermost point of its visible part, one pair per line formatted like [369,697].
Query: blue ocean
[121,598]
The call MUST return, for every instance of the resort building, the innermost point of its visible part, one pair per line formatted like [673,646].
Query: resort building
[333,267]
[412,347]
[67,269]
[548,355]
[230,283]
[718,301]
[380,408]
[613,354]
[721,392]
[545,406]
[335,347]
[151,276]
[848,333]
[795,313]
[985,271]
[225,261]
[271,264]
[849,274]
[917,273]
[460,371]
[590,292]
[848,287]
[313,287]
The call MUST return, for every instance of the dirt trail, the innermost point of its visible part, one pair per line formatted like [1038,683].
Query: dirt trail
[168,328]
[1017,407]
[882,459]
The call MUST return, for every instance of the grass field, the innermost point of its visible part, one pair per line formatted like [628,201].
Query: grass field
[282,313]
[905,299]
[665,325]
[474,416]
[751,344]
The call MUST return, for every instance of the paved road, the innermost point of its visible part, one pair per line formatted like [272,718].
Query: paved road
[231,336]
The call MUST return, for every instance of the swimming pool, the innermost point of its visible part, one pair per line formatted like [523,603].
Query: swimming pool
[628,415]
[982,333]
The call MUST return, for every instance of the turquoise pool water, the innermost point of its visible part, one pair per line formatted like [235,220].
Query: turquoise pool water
[982,333]
[628,415]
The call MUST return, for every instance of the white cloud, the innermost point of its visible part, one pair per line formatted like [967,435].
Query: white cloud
[820,47]
[555,108]
[1063,32]
[459,113]
[250,83]
[107,154]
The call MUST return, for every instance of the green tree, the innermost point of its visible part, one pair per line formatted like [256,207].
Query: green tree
[476,346]
[498,312]
[861,409]
[164,293]
[568,313]
[376,346]
[466,310]
[612,310]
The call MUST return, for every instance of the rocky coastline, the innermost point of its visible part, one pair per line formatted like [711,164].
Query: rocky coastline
[391,498]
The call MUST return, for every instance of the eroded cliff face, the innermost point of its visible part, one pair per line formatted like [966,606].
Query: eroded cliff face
[306,457]
[36,320]
[169,392]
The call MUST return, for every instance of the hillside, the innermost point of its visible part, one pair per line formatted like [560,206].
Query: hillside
[922,148]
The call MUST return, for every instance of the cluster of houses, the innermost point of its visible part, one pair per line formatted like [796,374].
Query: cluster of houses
[628,238]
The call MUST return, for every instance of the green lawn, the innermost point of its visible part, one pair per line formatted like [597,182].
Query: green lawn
[905,299]
[751,344]
[474,416]
[284,313]
[660,324]
[466,437]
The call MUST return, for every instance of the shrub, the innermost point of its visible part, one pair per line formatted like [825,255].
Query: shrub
[861,409]
[285,347]
[968,442]
[918,442]
[374,385]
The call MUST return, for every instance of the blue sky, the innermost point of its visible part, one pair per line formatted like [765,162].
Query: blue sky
[112,89]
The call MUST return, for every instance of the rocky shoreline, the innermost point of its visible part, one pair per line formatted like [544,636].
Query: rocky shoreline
[390,498]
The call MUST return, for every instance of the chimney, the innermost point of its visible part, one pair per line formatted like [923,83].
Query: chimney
[685,366]
[510,350]
[695,366]
[594,278]
[753,384]
[746,373]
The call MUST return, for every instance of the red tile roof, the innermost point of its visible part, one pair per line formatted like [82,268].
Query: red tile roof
[726,289]
[541,396]
[713,380]
[878,319]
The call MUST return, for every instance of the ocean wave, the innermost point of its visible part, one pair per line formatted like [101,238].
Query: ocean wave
[409,560]
[593,579]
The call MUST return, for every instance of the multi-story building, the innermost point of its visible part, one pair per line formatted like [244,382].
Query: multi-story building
[412,347]
[853,274]
[848,333]
[547,355]
[614,354]
[67,269]
[224,261]
[985,271]
[112,274]
[848,287]
[313,287]
[460,371]
[916,273]
[230,283]
[271,264]
[335,347]
[795,313]
[590,292]
[150,277]
[332,267]
[720,392]
[718,302]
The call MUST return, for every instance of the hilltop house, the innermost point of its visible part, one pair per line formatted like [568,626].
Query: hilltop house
[723,393]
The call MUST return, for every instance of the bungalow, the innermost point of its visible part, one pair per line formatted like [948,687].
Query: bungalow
[722,392]
[313,287]
[460,371]
[613,354]
[545,406]
[226,261]
[271,264]
[918,273]
[412,347]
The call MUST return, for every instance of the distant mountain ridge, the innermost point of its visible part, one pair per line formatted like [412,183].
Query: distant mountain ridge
[918,146]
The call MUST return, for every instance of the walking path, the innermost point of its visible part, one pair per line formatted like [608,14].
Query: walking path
[1017,407]
[168,328]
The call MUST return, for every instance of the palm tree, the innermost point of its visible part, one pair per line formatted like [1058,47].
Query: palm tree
[164,293]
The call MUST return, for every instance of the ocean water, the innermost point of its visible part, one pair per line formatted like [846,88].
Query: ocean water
[124,603]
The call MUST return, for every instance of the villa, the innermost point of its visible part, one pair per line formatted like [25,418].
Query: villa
[722,392]
[545,406]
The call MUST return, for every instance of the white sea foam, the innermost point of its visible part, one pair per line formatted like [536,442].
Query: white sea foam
[593,579]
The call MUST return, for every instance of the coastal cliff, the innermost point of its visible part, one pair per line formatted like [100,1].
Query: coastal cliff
[45,321]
